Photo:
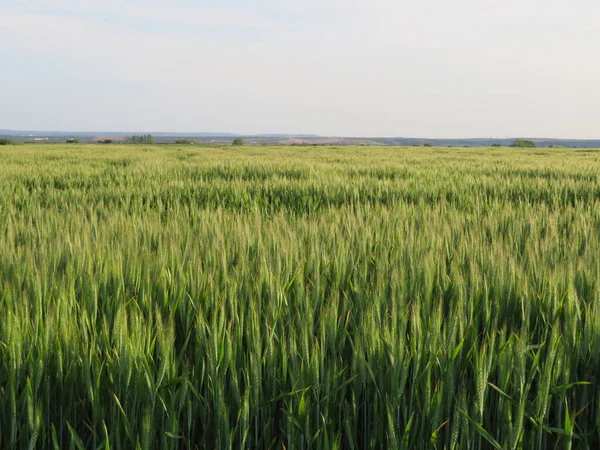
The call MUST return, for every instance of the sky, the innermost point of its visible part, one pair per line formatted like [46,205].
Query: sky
[388,68]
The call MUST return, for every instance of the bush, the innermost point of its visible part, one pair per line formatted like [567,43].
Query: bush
[523,143]
[238,141]
[5,141]
[72,141]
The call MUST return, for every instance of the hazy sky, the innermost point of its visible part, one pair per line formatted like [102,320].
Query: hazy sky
[429,68]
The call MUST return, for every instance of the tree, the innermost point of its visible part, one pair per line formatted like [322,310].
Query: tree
[238,141]
[523,143]
[5,141]
[72,141]
[140,139]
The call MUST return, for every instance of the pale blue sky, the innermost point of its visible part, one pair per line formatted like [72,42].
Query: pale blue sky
[431,68]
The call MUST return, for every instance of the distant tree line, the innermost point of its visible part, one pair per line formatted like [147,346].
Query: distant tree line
[303,144]
[5,141]
[140,139]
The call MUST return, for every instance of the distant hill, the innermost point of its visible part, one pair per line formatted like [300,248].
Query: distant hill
[487,142]
[106,133]
[286,139]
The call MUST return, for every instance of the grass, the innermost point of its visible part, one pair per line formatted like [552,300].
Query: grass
[348,297]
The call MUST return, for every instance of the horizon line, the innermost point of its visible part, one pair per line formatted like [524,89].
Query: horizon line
[274,134]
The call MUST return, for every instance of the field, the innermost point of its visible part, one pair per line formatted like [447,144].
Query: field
[301,297]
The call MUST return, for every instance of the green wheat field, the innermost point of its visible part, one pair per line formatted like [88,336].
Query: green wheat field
[187,297]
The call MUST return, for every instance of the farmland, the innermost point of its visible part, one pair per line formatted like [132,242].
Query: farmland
[308,297]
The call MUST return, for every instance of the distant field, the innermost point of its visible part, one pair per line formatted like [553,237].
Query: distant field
[299,297]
